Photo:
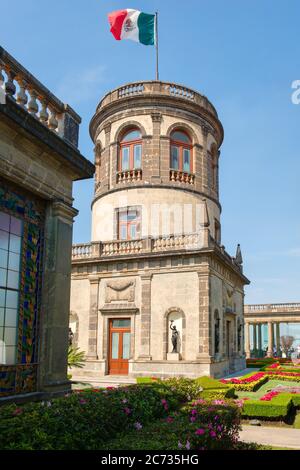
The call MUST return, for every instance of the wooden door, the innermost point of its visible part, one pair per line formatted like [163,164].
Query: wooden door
[119,346]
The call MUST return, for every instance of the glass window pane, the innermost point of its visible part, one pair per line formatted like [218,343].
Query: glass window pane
[126,345]
[14,262]
[174,157]
[121,323]
[137,156]
[186,160]
[123,216]
[11,355]
[12,299]
[15,243]
[4,240]
[10,336]
[3,277]
[134,134]
[132,231]
[2,297]
[123,232]
[125,158]
[4,221]
[115,346]
[16,226]
[11,317]
[1,317]
[13,279]
[180,137]
[3,258]
[132,215]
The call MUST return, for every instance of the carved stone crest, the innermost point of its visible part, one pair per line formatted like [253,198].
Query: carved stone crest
[228,293]
[120,290]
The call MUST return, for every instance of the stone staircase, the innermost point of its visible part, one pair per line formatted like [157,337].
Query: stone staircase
[104,381]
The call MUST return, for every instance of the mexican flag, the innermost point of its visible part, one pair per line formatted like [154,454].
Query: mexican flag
[133,24]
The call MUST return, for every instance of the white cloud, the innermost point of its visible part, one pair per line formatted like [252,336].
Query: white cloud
[81,86]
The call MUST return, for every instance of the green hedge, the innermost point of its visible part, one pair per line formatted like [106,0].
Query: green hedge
[295,399]
[278,408]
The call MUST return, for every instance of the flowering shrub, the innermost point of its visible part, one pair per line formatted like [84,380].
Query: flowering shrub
[249,384]
[200,425]
[269,396]
[82,420]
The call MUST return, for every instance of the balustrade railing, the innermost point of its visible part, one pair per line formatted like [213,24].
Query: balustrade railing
[182,177]
[157,88]
[18,84]
[268,307]
[129,176]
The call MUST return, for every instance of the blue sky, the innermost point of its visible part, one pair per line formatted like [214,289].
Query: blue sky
[242,54]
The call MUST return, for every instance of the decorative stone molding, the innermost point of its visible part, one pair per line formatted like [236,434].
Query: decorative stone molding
[64,212]
[156,117]
[121,290]
[228,296]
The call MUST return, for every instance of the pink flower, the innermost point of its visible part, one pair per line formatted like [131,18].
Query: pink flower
[17,411]
[82,401]
[213,434]
[192,419]
[200,432]
[194,412]
[170,419]
[188,445]
[163,401]
[127,411]
[138,426]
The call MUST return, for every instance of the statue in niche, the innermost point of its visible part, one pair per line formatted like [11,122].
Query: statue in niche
[71,337]
[175,337]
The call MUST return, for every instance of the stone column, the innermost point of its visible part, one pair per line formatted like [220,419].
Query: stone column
[270,339]
[205,321]
[93,318]
[278,338]
[55,299]
[106,167]
[145,351]
[156,154]
[247,339]
[259,337]
[254,337]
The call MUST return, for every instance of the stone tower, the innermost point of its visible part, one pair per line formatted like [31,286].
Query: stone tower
[156,259]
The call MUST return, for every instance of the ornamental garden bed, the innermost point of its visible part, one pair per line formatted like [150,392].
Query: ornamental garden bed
[93,419]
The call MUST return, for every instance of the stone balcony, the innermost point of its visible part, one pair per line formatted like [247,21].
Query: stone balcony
[19,85]
[182,177]
[150,88]
[85,252]
[129,176]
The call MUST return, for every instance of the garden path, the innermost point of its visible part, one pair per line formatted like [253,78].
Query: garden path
[272,436]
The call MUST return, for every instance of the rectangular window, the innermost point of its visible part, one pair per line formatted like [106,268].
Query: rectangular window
[137,156]
[11,230]
[186,160]
[125,158]
[174,157]
[128,221]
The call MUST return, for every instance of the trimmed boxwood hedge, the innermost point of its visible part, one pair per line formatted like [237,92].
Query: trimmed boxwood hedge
[278,408]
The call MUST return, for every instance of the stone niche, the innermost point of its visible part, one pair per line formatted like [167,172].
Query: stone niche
[176,316]
[121,290]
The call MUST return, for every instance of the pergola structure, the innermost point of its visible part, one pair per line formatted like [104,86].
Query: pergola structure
[272,315]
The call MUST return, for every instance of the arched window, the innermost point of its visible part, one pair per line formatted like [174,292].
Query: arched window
[130,150]
[181,152]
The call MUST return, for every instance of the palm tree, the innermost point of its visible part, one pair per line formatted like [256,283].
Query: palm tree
[76,358]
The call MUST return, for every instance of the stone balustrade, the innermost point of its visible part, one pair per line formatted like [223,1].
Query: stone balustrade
[156,88]
[177,242]
[271,307]
[129,176]
[85,251]
[182,177]
[21,86]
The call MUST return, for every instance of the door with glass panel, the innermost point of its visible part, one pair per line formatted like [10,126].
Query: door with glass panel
[119,346]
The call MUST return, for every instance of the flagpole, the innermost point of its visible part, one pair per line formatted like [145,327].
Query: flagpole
[156,44]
